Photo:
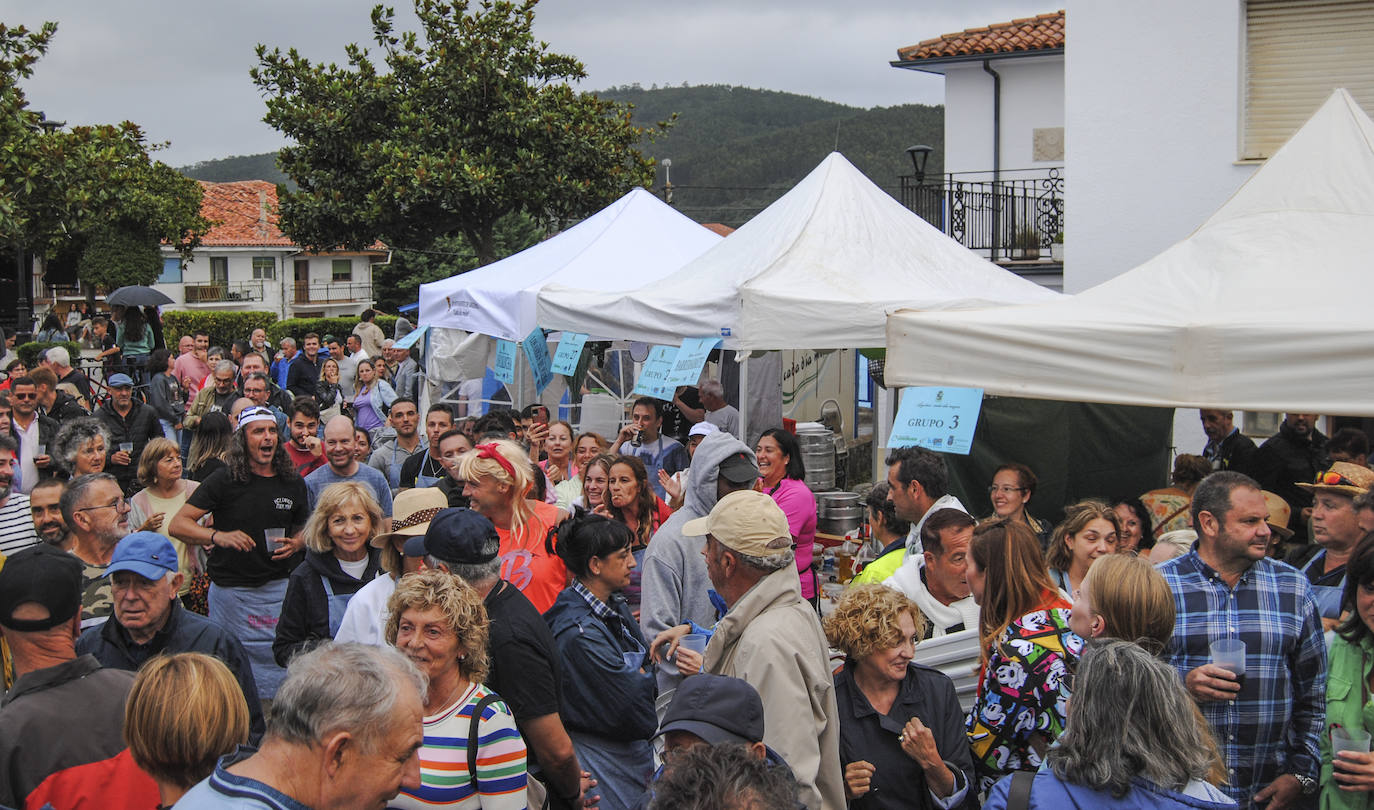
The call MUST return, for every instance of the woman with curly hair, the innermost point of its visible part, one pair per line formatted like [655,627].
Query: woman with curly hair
[339,561]
[901,730]
[608,697]
[1090,530]
[438,622]
[80,447]
[1028,652]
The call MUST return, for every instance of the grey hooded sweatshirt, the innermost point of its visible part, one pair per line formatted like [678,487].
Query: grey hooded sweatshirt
[673,571]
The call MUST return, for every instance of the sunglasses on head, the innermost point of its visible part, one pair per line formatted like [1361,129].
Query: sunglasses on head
[1332,478]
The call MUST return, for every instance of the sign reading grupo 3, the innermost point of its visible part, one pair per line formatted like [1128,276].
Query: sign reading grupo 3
[937,418]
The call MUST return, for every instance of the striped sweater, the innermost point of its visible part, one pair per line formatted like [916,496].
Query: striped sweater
[445,777]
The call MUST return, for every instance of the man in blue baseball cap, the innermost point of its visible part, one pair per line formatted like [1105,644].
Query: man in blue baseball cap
[149,619]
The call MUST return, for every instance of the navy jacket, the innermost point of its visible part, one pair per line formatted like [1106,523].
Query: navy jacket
[305,608]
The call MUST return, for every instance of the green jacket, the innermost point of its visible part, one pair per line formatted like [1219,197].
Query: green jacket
[1347,704]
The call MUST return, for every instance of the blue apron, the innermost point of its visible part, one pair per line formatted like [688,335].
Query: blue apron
[422,480]
[250,615]
[1328,597]
[338,606]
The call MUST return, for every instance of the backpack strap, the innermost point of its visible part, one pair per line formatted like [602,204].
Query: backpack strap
[473,733]
[1018,795]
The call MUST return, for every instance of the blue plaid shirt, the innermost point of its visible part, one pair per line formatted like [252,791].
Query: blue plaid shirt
[1272,728]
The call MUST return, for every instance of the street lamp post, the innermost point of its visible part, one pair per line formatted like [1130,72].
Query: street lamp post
[919,155]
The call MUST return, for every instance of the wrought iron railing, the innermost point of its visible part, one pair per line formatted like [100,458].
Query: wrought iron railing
[223,293]
[343,292]
[1009,219]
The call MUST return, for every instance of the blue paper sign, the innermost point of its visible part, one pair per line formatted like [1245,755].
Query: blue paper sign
[504,366]
[690,358]
[937,418]
[569,352]
[653,378]
[412,338]
[537,352]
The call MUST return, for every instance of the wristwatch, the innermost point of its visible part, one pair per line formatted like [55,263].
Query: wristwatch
[1308,784]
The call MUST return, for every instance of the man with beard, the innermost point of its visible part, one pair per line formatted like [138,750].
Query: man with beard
[1293,455]
[392,454]
[342,466]
[257,493]
[130,422]
[95,508]
[16,527]
[46,509]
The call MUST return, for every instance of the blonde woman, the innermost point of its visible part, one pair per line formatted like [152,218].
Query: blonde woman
[339,561]
[1124,597]
[439,623]
[331,398]
[163,495]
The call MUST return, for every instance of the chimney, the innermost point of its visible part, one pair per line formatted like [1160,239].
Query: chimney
[262,214]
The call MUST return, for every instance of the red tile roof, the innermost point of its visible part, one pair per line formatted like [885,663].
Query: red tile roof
[244,214]
[718,228]
[1043,32]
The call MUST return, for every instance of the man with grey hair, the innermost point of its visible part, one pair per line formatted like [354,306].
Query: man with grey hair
[282,365]
[525,668]
[771,638]
[719,412]
[219,395]
[97,514]
[61,363]
[345,732]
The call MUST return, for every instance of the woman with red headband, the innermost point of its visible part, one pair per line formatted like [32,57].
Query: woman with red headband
[499,480]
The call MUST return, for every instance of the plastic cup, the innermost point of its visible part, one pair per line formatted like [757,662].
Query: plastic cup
[274,538]
[127,447]
[696,642]
[1229,654]
[1349,739]
[40,449]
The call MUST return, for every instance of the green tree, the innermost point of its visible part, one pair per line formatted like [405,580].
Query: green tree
[399,283]
[456,129]
[90,193]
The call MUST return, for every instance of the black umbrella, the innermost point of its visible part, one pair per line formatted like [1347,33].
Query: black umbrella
[137,296]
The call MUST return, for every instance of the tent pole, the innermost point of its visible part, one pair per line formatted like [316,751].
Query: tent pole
[743,396]
[882,430]
[519,381]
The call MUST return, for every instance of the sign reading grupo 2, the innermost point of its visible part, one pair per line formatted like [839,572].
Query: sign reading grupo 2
[937,418]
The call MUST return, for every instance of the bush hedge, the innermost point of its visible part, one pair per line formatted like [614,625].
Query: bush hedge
[224,327]
[28,352]
[338,327]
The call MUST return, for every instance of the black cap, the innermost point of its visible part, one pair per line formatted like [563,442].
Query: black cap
[716,708]
[457,536]
[45,575]
[739,468]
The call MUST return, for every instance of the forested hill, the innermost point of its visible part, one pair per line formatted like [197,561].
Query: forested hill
[733,149]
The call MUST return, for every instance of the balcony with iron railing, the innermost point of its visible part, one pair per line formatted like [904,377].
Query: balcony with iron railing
[224,292]
[1007,219]
[341,292]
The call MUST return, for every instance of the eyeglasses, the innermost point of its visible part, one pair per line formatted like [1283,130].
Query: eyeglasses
[994,489]
[118,503]
[1332,478]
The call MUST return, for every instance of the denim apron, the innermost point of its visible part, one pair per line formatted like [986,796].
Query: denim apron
[250,615]
[338,606]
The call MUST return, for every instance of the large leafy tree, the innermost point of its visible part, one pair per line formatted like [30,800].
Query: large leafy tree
[465,122]
[92,195]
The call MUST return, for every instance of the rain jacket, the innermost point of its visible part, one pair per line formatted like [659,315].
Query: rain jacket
[1049,793]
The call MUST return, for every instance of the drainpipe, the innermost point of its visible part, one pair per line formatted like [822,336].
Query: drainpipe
[996,149]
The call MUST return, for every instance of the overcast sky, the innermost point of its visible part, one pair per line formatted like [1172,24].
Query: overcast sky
[180,68]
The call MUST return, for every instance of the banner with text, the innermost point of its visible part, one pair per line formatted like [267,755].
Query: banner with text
[504,364]
[537,352]
[690,358]
[569,352]
[937,418]
[653,378]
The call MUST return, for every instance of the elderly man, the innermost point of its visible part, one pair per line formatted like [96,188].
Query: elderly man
[257,342]
[16,526]
[282,365]
[392,454]
[97,514]
[771,638]
[406,378]
[33,431]
[303,376]
[1293,455]
[218,396]
[348,364]
[673,574]
[345,732]
[45,509]
[191,368]
[257,493]
[939,586]
[342,466]
[918,485]
[254,363]
[524,660]
[1335,531]
[149,619]
[64,710]
[719,412]
[132,424]
[60,362]
[1267,722]
[1227,448]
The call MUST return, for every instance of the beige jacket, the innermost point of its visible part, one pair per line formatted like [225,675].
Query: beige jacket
[371,336]
[772,639]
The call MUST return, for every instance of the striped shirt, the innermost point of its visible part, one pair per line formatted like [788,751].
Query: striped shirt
[16,525]
[1273,727]
[445,778]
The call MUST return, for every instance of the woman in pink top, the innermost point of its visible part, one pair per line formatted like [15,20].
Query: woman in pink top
[781,472]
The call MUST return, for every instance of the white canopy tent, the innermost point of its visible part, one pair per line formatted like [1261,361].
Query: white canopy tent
[635,240]
[820,268]
[1264,307]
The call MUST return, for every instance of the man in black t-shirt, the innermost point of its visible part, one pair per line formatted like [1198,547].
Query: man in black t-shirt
[426,469]
[259,491]
[524,668]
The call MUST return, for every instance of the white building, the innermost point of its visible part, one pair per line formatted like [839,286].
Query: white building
[246,263]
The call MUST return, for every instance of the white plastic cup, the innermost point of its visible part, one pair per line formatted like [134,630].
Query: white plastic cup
[127,447]
[1349,739]
[40,449]
[696,642]
[1229,654]
[274,538]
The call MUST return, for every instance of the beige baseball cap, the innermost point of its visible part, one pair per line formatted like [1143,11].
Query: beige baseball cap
[746,521]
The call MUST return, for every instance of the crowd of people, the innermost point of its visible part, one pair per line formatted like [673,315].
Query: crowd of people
[271,580]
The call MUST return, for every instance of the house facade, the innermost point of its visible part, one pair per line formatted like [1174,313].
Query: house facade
[245,262]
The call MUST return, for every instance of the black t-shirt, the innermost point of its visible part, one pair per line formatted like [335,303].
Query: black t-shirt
[262,503]
[675,422]
[421,464]
[524,661]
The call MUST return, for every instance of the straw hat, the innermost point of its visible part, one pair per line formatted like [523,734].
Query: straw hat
[1279,513]
[1343,478]
[411,513]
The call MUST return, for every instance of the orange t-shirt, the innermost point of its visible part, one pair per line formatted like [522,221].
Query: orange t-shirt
[526,562]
